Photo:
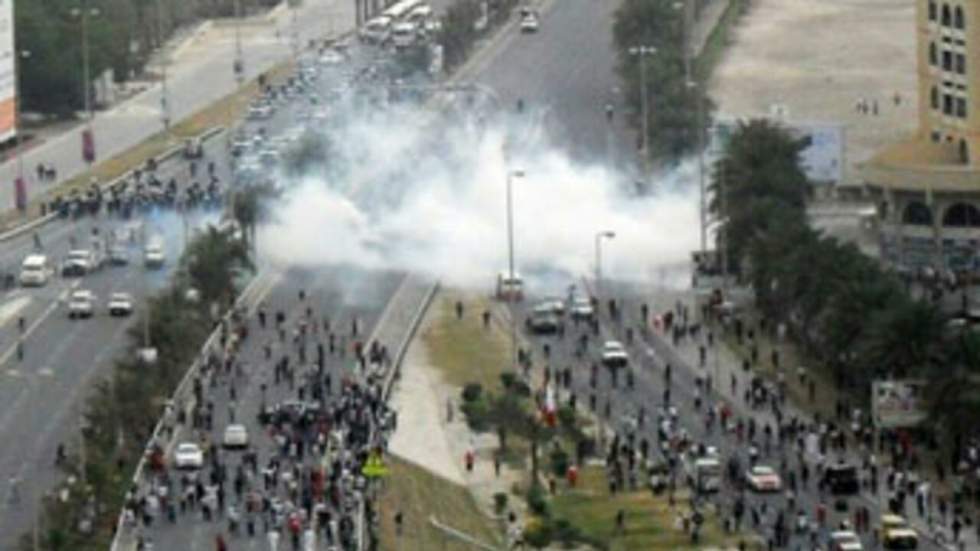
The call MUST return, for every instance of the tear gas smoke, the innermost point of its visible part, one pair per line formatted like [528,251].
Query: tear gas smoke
[399,192]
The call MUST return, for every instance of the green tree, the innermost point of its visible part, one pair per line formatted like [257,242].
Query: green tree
[212,261]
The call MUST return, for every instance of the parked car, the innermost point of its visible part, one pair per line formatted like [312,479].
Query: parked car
[529,21]
[614,355]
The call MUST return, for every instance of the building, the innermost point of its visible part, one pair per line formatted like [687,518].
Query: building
[927,189]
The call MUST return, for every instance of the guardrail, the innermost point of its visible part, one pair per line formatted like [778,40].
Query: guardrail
[182,389]
[162,158]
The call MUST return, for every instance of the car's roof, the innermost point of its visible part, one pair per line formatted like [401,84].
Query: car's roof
[115,296]
[188,446]
[763,469]
[81,293]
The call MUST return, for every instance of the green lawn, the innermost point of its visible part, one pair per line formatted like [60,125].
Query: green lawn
[419,495]
[649,519]
[463,350]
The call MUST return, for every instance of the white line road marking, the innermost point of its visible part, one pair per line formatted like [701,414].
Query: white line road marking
[12,307]
[40,319]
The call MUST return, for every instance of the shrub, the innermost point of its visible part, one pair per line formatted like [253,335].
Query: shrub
[565,532]
[477,415]
[538,533]
[536,500]
[472,392]
[507,379]
[500,502]
[559,462]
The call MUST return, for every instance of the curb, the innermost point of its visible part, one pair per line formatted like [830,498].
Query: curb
[165,156]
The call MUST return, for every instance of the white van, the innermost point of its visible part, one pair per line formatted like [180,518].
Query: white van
[376,31]
[153,255]
[35,270]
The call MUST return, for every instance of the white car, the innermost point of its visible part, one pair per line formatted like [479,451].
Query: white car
[529,21]
[153,256]
[189,456]
[236,436]
[763,479]
[614,354]
[78,263]
[81,304]
[581,309]
[120,304]
[845,540]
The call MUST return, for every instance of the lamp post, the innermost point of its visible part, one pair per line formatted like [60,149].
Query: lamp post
[21,55]
[511,175]
[239,65]
[165,61]
[643,52]
[83,12]
[599,236]
[690,80]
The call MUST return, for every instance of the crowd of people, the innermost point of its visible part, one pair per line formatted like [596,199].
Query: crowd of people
[316,422]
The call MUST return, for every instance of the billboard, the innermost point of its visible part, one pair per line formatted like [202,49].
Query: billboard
[8,82]
[897,404]
[822,157]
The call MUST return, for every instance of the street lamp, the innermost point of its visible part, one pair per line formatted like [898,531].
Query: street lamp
[239,65]
[511,175]
[643,52]
[18,127]
[599,236]
[88,142]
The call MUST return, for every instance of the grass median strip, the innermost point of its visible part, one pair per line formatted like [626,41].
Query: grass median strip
[650,520]
[419,495]
[464,350]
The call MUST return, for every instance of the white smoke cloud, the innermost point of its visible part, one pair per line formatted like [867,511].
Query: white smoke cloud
[399,195]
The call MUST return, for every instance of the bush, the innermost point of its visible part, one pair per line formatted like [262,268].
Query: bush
[507,379]
[472,392]
[477,414]
[565,532]
[538,533]
[536,500]
[567,418]
[500,502]
[559,462]
[520,388]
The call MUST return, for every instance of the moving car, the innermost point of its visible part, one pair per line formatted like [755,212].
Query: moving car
[118,255]
[81,304]
[153,255]
[553,305]
[763,479]
[34,271]
[543,321]
[120,304]
[614,355]
[80,262]
[845,540]
[236,436]
[529,21]
[188,456]
[403,34]
[376,31]
[581,309]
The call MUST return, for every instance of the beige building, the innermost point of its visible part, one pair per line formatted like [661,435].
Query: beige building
[928,188]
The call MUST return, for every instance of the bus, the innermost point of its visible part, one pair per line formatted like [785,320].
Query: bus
[400,10]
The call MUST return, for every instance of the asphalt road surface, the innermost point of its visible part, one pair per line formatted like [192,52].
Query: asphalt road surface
[619,407]
[45,388]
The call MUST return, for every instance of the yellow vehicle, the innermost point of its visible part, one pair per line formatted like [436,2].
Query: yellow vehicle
[897,535]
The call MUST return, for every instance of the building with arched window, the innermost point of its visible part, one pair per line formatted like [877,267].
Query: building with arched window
[927,189]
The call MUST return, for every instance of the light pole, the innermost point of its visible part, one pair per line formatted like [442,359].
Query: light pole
[83,13]
[510,261]
[599,236]
[239,65]
[165,61]
[643,52]
[21,55]
[692,84]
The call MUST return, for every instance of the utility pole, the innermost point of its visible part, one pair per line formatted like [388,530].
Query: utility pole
[83,12]
[512,295]
[643,52]
[598,263]
[18,128]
